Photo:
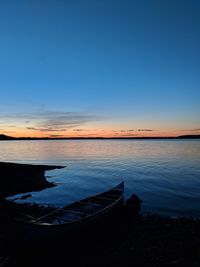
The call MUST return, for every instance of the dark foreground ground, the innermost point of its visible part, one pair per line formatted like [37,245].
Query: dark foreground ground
[124,240]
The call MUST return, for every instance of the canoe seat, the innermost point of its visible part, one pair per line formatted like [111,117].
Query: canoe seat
[91,204]
[75,212]
[104,198]
[62,219]
[43,223]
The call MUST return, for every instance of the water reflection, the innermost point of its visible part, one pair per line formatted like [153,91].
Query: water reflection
[164,173]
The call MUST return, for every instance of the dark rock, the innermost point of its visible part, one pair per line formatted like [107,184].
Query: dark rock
[133,205]
[17,178]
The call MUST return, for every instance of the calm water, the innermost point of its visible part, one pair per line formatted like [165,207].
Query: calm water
[164,173]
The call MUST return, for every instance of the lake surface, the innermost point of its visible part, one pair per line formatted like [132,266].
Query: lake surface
[165,174]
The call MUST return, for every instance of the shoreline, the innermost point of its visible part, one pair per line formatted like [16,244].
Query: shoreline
[151,241]
[11,138]
[21,178]
[125,240]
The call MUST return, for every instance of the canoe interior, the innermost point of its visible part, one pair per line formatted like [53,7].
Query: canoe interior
[79,210]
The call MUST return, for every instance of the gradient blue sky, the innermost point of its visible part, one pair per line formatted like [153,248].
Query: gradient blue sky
[108,68]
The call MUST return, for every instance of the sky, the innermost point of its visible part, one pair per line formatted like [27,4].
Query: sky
[99,68]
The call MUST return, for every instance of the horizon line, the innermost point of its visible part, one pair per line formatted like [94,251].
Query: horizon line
[5,137]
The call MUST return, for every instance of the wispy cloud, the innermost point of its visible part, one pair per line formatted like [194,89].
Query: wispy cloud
[191,130]
[126,131]
[51,121]
[129,134]
[87,130]
[55,135]
[7,126]
[132,130]
[45,129]
[145,130]
[79,130]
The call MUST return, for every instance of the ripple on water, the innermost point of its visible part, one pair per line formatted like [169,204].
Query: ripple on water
[164,173]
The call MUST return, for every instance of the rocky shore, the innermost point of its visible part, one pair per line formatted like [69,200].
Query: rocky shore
[145,240]
[19,178]
[126,239]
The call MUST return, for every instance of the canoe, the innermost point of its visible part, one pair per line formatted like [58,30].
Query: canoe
[70,217]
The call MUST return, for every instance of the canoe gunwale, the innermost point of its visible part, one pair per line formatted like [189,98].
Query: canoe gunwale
[38,223]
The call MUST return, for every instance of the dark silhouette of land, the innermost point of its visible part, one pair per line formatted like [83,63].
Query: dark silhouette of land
[4,137]
[123,240]
[20,178]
